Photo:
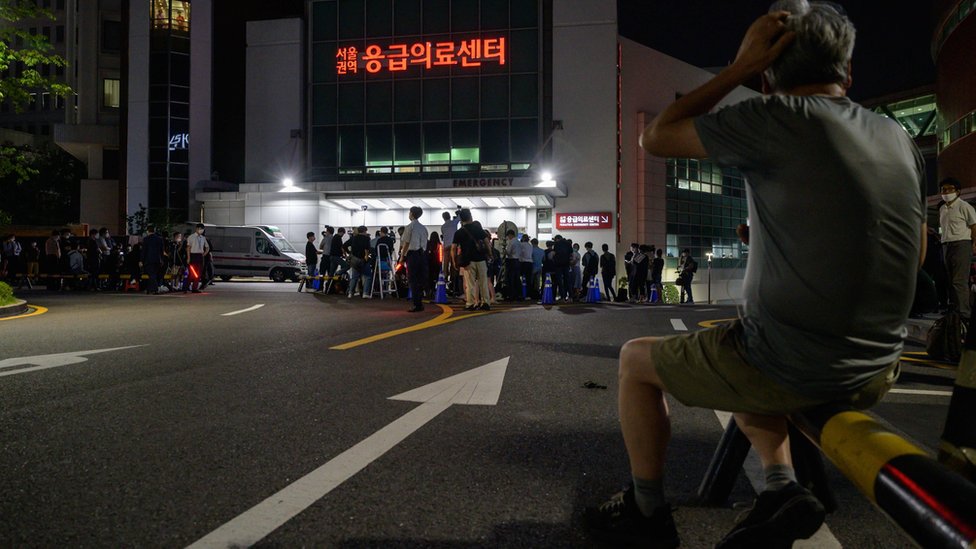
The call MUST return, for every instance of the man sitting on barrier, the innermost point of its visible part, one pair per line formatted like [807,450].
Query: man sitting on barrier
[826,180]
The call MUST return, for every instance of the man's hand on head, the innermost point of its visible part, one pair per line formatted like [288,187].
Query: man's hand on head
[763,43]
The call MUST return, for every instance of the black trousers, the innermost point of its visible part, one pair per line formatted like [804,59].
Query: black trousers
[513,284]
[529,282]
[152,270]
[417,275]
[608,285]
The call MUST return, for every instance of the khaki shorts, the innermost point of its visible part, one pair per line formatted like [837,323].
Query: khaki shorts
[708,369]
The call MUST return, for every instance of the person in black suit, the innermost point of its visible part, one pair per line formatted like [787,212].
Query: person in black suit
[152,258]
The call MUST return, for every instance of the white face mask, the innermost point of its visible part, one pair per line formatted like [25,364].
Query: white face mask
[949,197]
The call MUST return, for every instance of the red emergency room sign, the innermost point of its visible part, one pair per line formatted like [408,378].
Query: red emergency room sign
[397,57]
[569,221]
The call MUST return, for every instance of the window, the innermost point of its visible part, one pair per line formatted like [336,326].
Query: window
[323,105]
[60,5]
[171,14]
[407,98]
[111,93]
[59,34]
[464,98]
[111,36]
[351,103]
[323,21]
[379,102]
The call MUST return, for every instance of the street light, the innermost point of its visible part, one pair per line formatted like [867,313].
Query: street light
[288,182]
[709,256]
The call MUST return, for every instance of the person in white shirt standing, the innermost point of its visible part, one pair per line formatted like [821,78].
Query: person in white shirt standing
[196,247]
[958,221]
[448,229]
[413,245]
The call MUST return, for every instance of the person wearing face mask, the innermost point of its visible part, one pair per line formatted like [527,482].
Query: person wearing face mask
[196,247]
[958,221]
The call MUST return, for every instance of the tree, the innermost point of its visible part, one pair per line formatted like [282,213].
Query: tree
[50,194]
[22,54]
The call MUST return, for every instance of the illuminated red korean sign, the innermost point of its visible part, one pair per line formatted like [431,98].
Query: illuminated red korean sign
[397,57]
[569,221]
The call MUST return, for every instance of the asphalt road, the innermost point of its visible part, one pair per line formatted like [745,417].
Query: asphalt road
[203,417]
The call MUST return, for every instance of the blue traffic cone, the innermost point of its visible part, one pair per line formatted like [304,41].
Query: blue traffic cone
[440,296]
[547,298]
[316,283]
[594,292]
[525,289]
[654,295]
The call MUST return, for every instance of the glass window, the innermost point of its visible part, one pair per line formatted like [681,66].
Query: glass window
[464,15]
[379,18]
[323,62]
[323,21]
[351,19]
[464,97]
[351,151]
[494,141]
[379,101]
[437,99]
[59,34]
[351,103]
[524,51]
[406,17]
[437,16]
[323,105]
[494,14]
[406,143]
[407,100]
[464,136]
[111,36]
[525,139]
[437,143]
[525,13]
[323,148]
[379,145]
[494,97]
[525,95]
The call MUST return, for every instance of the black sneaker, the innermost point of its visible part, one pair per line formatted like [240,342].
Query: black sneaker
[471,308]
[778,518]
[485,307]
[620,522]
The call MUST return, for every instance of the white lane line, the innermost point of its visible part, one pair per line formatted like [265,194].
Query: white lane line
[679,325]
[249,309]
[920,392]
[43,362]
[823,539]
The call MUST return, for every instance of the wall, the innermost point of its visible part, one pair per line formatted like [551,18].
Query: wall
[201,95]
[585,101]
[99,203]
[136,148]
[274,99]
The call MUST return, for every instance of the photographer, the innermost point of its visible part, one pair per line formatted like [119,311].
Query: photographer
[827,180]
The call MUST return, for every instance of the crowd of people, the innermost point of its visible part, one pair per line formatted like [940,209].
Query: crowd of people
[99,262]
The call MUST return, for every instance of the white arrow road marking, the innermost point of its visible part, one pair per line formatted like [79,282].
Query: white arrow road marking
[679,325]
[43,362]
[480,386]
[249,309]
[822,539]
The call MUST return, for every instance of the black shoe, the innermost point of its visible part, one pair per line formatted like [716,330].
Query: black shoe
[416,310]
[471,308]
[778,518]
[195,291]
[620,522]
[485,307]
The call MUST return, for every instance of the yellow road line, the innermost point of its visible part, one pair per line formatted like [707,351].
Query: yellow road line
[446,312]
[714,323]
[38,310]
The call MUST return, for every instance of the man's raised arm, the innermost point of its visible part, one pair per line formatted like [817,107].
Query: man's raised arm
[672,133]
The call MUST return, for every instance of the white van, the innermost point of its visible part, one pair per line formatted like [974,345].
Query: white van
[254,251]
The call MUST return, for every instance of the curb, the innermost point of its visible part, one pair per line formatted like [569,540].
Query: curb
[19,307]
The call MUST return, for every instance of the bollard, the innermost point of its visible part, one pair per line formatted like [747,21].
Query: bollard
[440,296]
[547,298]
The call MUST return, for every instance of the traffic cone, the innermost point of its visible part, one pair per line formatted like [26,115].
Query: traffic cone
[440,296]
[547,298]
[131,285]
[594,292]
[654,295]
[525,289]
[316,281]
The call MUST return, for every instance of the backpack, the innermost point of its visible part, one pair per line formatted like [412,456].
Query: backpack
[944,340]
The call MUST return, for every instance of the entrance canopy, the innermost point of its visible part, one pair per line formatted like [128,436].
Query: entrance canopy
[444,199]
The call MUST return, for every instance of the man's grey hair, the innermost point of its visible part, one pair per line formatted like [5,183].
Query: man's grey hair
[820,53]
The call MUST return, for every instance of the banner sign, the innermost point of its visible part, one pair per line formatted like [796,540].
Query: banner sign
[570,221]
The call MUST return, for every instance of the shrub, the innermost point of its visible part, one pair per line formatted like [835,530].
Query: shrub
[6,294]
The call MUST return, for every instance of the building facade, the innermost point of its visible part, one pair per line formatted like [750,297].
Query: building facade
[953,44]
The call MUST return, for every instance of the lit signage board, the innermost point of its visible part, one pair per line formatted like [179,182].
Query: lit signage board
[570,221]
[179,141]
[397,57]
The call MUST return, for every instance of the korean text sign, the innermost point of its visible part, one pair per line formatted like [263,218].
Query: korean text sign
[397,57]
[569,221]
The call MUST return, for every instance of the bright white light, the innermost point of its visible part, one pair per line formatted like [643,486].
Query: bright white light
[403,202]
[494,202]
[546,176]
[524,201]
[348,204]
[464,202]
[379,204]
[547,184]
[434,203]
[288,182]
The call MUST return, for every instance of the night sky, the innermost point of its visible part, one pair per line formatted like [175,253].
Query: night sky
[891,54]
